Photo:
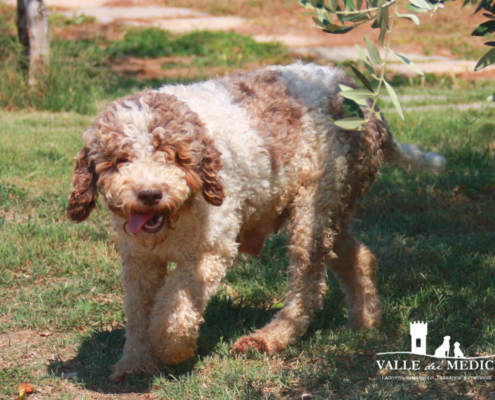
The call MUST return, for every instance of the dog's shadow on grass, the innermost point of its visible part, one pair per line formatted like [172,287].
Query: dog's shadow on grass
[100,349]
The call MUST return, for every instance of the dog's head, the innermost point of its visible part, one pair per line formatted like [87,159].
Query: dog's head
[149,156]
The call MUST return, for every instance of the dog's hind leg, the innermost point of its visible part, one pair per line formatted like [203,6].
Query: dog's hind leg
[309,237]
[355,268]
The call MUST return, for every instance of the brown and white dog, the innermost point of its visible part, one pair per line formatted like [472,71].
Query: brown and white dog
[196,174]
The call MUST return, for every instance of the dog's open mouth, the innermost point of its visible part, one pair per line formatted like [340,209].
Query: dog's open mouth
[150,222]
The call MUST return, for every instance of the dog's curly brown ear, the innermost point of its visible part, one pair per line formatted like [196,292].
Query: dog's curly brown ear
[211,164]
[83,197]
[181,134]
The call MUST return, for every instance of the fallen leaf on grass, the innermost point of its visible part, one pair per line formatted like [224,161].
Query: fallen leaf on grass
[24,389]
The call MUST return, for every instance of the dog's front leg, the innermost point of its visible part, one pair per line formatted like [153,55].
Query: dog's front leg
[180,304]
[142,277]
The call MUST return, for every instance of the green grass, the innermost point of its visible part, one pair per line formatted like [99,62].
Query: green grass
[61,317]
[78,76]
[80,73]
[206,48]
[433,236]
[74,81]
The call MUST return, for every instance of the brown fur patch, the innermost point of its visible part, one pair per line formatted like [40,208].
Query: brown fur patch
[276,116]
[252,236]
[272,111]
[355,268]
[245,344]
[180,134]
[365,155]
[83,197]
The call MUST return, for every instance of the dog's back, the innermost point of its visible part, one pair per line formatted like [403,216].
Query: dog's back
[274,131]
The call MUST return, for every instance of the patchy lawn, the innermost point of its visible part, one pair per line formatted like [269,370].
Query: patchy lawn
[61,318]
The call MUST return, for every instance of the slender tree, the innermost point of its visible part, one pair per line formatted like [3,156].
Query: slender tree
[32,27]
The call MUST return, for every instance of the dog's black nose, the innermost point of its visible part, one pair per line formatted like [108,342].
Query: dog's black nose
[150,197]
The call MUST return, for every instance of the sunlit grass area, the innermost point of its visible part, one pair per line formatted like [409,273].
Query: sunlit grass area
[61,299]
[61,312]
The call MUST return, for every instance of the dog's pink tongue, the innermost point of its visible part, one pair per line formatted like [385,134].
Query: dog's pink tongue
[137,221]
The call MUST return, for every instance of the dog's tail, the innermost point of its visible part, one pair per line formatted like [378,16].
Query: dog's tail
[411,158]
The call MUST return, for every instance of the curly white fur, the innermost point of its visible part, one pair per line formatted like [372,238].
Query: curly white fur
[196,174]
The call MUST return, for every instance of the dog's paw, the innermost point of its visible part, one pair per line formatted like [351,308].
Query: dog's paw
[248,344]
[129,365]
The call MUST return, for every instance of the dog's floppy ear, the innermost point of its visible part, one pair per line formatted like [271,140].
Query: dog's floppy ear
[180,133]
[83,197]
[201,162]
[213,190]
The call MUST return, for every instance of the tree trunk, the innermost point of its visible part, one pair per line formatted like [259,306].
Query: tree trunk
[32,27]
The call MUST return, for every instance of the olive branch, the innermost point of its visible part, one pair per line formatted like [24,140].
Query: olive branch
[342,16]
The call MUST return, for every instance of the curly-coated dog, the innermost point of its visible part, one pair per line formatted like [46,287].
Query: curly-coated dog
[196,174]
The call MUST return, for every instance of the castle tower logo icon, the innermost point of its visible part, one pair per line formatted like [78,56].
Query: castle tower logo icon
[419,331]
[445,350]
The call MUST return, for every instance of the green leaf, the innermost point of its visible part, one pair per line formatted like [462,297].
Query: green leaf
[346,88]
[358,95]
[372,72]
[409,63]
[484,29]
[383,25]
[491,44]
[382,18]
[373,51]
[338,30]
[350,123]
[356,18]
[484,5]
[394,98]
[333,5]
[362,55]
[349,5]
[486,60]
[318,23]
[489,15]
[359,4]
[322,16]
[367,63]
[381,21]
[412,17]
[352,109]
[415,9]
[362,78]
[422,5]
